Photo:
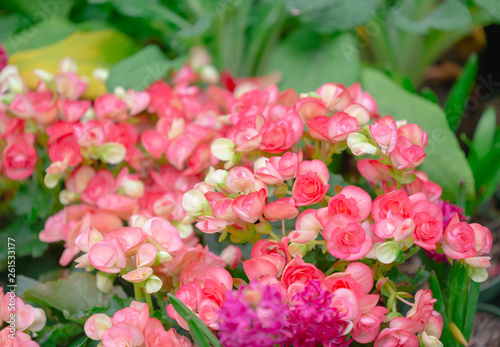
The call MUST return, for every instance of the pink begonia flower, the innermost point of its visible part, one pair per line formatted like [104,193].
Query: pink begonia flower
[156,336]
[154,142]
[281,135]
[91,133]
[268,172]
[309,108]
[110,106]
[385,133]
[163,232]
[311,186]
[395,227]
[210,225]
[122,334]
[208,313]
[99,185]
[138,275]
[46,110]
[22,107]
[281,209]
[362,274]
[136,315]
[363,98]
[19,157]
[297,274]
[367,325]
[428,219]
[483,239]
[69,85]
[346,239]
[223,210]
[21,339]
[79,178]
[347,303]
[179,150]
[146,255]
[332,129]
[351,200]
[307,227]
[232,256]
[396,337]
[249,207]
[274,251]
[259,268]
[406,155]
[96,325]
[336,96]
[108,256]
[396,201]
[74,110]
[288,164]
[459,239]
[240,179]
[136,101]
[415,134]
[374,171]
[359,112]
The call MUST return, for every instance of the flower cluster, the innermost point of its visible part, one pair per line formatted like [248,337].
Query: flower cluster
[144,175]
[132,326]
[20,318]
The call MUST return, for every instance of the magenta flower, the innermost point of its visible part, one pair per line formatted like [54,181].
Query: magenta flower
[253,316]
[313,319]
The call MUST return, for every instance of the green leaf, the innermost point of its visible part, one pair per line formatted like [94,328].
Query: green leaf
[139,70]
[198,337]
[459,93]
[461,297]
[307,60]
[328,16]
[486,175]
[445,162]
[9,25]
[190,317]
[450,15]
[484,135]
[428,93]
[490,6]
[115,304]
[76,294]
[471,308]
[149,10]
[446,336]
[36,36]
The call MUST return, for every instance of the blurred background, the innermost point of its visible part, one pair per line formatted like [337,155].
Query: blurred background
[432,62]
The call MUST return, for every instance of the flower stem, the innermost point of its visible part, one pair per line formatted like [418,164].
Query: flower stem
[149,302]
[283,227]
[137,292]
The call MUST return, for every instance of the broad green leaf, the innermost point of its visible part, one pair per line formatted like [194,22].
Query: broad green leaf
[446,335]
[450,15]
[39,11]
[459,93]
[490,6]
[190,317]
[139,70]
[76,294]
[149,10]
[328,16]
[486,175]
[307,60]
[9,25]
[484,135]
[90,50]
[445,162]
[39,35]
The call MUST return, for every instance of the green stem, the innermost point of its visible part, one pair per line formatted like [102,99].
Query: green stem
[149,302]
[137,292]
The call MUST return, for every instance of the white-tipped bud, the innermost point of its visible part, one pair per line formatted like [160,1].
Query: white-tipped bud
[360,145]
[101,74]
[43,75]
[134,188]
[153,284]
[40,320]
[137,220]
[209,74]
[112,152]
[387,252]
[223,149]
[217,178]
[194,202]
[66,197]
